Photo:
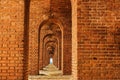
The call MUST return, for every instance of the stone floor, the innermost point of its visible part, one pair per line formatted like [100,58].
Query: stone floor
[50,72]
[39,77]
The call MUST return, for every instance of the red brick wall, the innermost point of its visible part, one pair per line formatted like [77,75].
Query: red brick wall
[11,39]
[98,39]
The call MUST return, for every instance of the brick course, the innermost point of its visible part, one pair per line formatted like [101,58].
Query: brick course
[91,37]
[98,45]
[11,39]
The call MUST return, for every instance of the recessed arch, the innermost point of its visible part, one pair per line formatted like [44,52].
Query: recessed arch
[55,21]
[46,56]
[56,30]
[61,18]
[58,42]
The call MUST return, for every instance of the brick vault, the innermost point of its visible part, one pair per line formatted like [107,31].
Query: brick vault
[81,38]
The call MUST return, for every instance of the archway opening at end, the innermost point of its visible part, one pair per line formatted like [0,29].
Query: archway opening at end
[50,45]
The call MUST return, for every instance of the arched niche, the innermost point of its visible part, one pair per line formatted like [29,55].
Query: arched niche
[50,45]
[61,11]
[50,33]
[52,41]
[58,42]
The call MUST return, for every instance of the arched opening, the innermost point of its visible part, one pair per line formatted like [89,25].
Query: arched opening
[55,13]
[50,45]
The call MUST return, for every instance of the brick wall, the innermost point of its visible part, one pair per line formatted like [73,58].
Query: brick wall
[11,39]
[98,39]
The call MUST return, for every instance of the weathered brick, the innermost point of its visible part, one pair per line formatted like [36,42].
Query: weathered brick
[11,27]
[91,34]
[97,40]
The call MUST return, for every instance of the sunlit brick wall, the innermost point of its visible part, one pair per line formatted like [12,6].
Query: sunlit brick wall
[98,39]
[11,39]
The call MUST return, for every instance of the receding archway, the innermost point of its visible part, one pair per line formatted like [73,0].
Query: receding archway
[61,15]
[50,34]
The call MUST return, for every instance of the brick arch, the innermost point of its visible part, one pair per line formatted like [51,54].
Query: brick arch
[59,47]
[44,23]
[64,12]
[38,18]
[55,21]
[48,40]
[55,55]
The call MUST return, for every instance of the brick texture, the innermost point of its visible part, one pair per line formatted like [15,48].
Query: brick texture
[98,39]
[37,8]
[63,13]
[90,31]
[11,39]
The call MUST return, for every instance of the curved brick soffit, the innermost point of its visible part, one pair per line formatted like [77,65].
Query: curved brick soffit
[50,42]
[56,22]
